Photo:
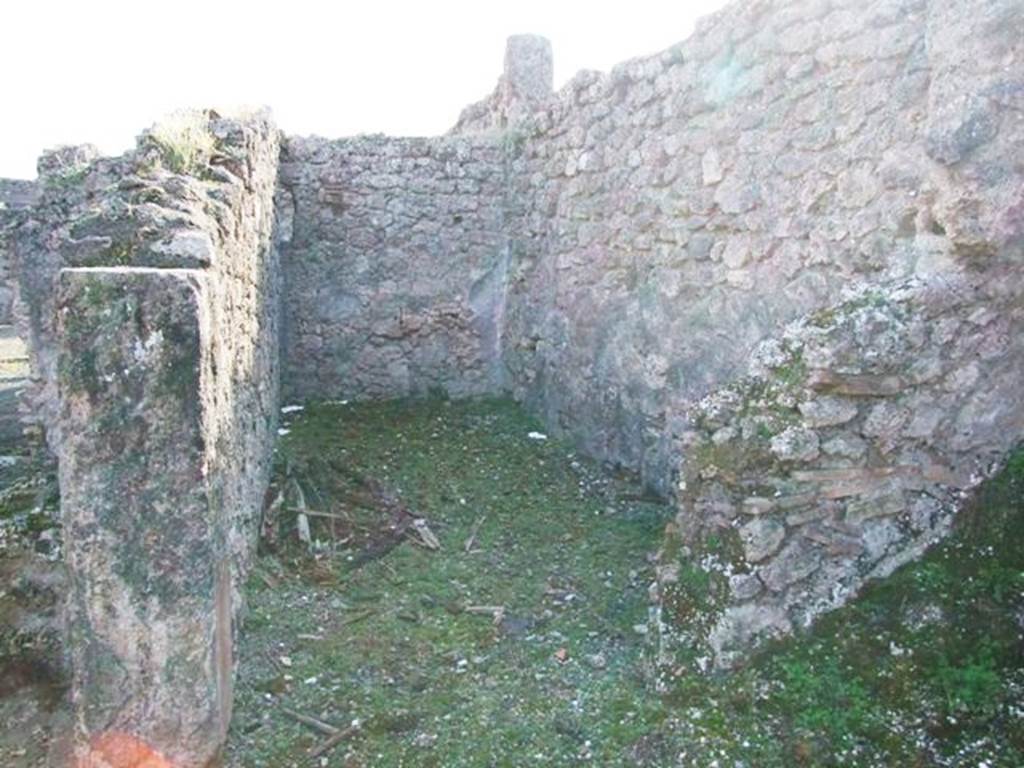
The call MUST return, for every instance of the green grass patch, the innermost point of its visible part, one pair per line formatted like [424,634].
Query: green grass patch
[403,642]
[924,669]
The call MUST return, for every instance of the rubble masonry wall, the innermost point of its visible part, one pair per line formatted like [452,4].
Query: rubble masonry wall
[394,258]
[156,291]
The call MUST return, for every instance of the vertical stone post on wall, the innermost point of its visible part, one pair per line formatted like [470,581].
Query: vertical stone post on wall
[529,68]
[149,609]
[525,85]
[529,76]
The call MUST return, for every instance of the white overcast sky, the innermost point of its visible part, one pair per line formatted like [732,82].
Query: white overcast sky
[76,71]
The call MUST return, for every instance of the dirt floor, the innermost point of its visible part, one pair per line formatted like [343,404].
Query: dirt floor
[494,615]
[510,631]
[442,584]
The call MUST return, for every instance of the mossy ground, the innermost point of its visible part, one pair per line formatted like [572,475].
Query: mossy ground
[924,669]
[394,643]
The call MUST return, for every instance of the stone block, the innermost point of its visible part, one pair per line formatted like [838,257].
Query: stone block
[855,385]
[796,444]
[878,504]
[150,607]
[761,537]
[827,412]
[798,560]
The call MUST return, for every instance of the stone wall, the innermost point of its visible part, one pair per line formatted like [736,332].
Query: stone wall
[395,266]
[850,444]
[615,253]
[155,295]
[18,193]
[16,196]
[680,209]
[523,88]
[668,218]
[67,177]
[843,454]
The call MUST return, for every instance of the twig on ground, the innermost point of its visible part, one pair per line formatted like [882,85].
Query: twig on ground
[426,536]
[315,513]
[301,520]
[312,722]
[357,617]
[335,740]
[268,524]
[471,539]
[495,611]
